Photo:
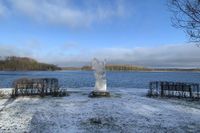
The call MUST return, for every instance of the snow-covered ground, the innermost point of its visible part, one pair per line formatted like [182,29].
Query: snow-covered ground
[5,92]
[127,110]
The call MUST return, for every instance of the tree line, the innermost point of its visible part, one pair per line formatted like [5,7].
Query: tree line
[13,63]
[119,68]
[139,68]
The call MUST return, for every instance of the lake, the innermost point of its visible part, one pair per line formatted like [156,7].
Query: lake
[115,79]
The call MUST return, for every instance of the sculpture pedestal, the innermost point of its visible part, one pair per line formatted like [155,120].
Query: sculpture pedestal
[94,94]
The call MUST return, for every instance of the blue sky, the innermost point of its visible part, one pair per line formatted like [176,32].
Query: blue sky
[72,32]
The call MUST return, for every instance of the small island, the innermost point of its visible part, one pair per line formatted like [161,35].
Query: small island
[13,63]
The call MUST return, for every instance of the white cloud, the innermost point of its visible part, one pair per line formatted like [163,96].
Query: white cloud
[186,55]
[66,12]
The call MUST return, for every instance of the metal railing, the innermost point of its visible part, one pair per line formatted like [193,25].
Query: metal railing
[39,86]
[174,89]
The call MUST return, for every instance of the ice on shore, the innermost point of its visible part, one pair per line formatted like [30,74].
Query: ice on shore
[127,110]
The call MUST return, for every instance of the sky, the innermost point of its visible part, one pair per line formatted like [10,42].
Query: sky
[73,32]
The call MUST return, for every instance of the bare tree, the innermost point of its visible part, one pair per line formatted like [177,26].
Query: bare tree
[186,15]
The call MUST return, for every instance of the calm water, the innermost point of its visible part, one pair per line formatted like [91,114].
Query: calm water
[78,79]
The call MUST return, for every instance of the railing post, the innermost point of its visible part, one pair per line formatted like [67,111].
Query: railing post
[190,89]
[198,91]
[161,87]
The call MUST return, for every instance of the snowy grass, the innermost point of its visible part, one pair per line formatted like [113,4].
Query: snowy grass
[127,110]
[5,92]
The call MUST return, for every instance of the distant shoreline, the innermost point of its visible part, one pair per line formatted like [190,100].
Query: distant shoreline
[13,64]
[149,70]
[152,70]
[130,68]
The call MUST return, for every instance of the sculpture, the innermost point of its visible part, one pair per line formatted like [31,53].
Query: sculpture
[99,68]
[100,74]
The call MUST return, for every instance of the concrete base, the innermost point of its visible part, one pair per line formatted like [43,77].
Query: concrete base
[94,94]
